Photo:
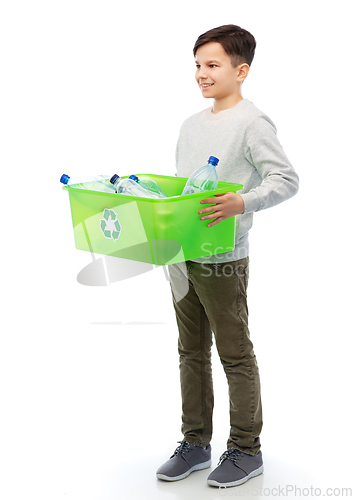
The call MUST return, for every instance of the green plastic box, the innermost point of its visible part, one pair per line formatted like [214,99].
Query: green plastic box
[157,231]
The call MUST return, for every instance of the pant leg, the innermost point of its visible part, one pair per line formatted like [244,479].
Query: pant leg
[194,346]
[222,290]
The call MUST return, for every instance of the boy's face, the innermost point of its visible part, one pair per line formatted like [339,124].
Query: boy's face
[215,75]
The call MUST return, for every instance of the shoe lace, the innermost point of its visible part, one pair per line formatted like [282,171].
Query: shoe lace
[231,454]
[183,448]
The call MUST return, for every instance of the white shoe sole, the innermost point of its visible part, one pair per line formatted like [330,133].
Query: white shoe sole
[203,465]
[254,473]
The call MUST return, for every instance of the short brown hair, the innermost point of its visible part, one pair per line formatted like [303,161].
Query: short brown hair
[239,44]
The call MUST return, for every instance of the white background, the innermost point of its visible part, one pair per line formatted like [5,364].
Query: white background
[90,398]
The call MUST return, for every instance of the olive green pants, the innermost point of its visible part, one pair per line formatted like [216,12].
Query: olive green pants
[206,298]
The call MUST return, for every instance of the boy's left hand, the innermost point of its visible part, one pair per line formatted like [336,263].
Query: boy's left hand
[225,205]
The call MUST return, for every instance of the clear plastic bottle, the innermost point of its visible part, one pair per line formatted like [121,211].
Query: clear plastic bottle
[150,185]
[91,183]
[203,179]
[130,187]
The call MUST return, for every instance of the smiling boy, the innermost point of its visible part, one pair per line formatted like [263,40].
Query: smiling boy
[245,141]
[219,79]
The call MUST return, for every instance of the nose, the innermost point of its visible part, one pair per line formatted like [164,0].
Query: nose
[201,74]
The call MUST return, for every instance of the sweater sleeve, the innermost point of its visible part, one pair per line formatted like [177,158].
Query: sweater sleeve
[263,150]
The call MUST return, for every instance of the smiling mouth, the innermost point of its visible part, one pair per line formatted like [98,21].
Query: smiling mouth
[206,85]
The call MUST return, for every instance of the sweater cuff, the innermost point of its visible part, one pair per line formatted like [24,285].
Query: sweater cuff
[251,202]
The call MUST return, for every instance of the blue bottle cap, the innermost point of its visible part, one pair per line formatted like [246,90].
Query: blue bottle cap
[114,178]
[134,178]
[213,160]
[64,178]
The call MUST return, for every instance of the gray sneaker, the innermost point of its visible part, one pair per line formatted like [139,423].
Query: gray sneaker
[235,467]
[186,458]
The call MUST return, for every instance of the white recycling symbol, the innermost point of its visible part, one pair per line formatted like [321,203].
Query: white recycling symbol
[110,225]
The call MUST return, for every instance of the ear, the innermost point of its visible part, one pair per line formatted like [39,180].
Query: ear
[243,71]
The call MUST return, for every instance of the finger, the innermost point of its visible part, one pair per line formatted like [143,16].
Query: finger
[209,210]
[212,215]
[209,201]
[217,221]
[207,214]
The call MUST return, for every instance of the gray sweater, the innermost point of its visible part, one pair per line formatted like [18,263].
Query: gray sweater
[245,141]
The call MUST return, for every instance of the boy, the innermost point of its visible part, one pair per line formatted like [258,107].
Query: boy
[245,141]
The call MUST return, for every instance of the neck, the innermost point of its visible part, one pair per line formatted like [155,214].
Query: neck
[226,103]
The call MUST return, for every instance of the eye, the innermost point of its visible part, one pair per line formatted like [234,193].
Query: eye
[213,65]
[197,66]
